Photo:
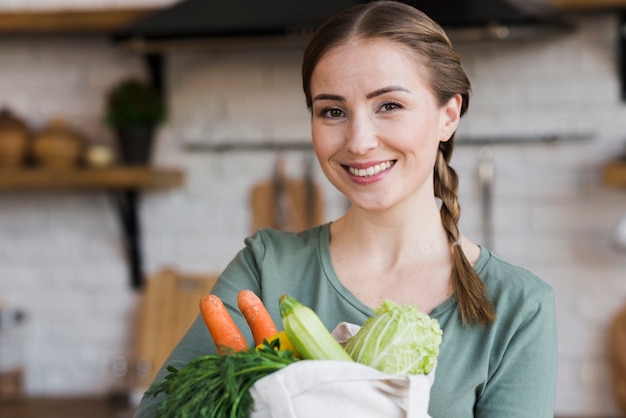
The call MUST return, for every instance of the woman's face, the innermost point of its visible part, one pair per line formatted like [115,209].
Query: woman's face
[376,125]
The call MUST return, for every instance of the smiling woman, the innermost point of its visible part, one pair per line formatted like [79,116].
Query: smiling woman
[386,92]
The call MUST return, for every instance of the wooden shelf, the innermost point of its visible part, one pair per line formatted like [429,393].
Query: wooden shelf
[124,183]
[90,178]
[110,19]
[70,21]
[614,174]
[66,407]
[588,5]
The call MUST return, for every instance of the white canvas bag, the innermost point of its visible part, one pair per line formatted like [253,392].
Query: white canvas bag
[340,389]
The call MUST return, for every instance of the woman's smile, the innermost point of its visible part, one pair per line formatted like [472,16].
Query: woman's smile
[370,170]
[367,173]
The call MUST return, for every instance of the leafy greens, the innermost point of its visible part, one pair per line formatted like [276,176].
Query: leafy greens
[216,385]
[399,339]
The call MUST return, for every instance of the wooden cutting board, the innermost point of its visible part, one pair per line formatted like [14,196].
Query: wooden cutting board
[168,306]
[298,206]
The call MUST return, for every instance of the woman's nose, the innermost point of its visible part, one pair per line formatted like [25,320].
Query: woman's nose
[361,135]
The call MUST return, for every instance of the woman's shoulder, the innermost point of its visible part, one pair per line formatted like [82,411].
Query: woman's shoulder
[276,236]
[510,283]
[268,240]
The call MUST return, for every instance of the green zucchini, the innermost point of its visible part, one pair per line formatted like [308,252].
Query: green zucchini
[307,333]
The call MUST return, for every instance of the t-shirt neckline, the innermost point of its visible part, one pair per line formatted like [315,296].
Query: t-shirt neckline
[329,271]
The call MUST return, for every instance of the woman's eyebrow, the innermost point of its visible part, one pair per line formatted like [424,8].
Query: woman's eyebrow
[325,96]
[375,93]
[384,90]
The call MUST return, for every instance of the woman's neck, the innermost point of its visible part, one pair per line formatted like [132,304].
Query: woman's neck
[406,259]
[393,232]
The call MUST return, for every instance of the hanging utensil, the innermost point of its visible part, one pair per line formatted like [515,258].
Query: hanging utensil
[287,204]
[619,233]
[486,175]
[281,204]
[310,193]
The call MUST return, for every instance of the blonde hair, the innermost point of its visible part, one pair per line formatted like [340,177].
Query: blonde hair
[410,27]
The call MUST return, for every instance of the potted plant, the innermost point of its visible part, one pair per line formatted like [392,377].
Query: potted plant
[134,108]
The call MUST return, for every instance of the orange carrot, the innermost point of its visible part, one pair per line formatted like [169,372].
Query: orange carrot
[226,336]
[259,320]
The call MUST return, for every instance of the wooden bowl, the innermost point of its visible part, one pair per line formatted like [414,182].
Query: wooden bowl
[57,146]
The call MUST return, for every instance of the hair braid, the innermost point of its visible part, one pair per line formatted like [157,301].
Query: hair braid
[471,293]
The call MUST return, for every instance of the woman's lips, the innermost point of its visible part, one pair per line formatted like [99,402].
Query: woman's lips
[371,170]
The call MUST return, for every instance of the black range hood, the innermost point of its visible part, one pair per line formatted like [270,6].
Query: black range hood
[477,20]
[206,20]
[227,23]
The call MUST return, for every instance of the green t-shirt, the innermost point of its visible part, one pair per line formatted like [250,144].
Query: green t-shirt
[507,369]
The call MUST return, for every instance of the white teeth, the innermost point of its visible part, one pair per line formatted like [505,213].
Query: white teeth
[370,171]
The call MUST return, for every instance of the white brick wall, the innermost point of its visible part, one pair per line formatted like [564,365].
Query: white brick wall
[61,255]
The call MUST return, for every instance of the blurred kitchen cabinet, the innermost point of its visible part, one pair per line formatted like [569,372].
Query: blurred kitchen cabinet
[168,306]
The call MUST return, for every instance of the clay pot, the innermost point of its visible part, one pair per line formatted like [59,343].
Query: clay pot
[57,146]
[14,140]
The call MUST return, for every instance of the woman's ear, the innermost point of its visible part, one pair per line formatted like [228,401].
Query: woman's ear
[451,114]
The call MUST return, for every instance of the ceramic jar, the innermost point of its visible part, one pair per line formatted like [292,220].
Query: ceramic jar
[14,139]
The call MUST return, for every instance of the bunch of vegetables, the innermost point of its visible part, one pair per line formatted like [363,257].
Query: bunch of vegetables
[397,340]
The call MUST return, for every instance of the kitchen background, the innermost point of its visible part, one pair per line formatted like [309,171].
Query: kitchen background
[61,252]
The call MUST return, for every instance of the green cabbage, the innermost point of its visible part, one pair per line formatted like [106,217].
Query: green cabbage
[399,340]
